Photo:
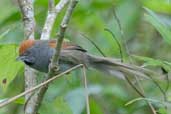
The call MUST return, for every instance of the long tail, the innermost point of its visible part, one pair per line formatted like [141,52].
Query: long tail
[116,68]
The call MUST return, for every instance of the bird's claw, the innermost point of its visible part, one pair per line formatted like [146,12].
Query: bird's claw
[55,68]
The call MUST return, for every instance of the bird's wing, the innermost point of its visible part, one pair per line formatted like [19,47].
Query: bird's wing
[67,46]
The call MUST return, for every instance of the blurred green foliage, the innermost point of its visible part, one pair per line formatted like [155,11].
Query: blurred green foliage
[145,32]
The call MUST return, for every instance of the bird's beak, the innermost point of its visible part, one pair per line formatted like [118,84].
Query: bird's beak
[20,58]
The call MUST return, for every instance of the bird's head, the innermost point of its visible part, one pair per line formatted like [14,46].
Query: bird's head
[36,53]
[25,52]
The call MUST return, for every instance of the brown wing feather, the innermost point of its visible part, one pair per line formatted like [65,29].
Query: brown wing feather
[66,45]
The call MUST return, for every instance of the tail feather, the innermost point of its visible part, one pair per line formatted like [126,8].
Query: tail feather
[116,67]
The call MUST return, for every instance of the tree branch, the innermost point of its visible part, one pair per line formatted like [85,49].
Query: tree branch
[52,15]
[61,33]
[27,10]
[8,101]
[51,5]
[26,7]
[53,66]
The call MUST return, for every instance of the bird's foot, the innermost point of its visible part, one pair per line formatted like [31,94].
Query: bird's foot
[54,68]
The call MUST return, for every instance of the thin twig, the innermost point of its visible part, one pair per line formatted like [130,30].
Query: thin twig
[118,43]
[163,91]
[86,90]
[84,36]
[8,101]
[166,89]
[167,83]
[51,17]
[140,93]
[122,32]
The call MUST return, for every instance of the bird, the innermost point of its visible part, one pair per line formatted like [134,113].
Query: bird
[38,54]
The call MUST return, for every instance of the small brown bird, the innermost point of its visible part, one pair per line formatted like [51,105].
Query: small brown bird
[38,53]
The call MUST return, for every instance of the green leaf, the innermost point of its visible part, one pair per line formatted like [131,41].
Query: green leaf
[76,100]
[158,102]
[8,66]
[58,106]
[154,62]
[11,34]
[164,30]
[162,111]
[161,6]
[95,107]
[20,100]
[4,33]
[133,101]
[12,18]
[61,106]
